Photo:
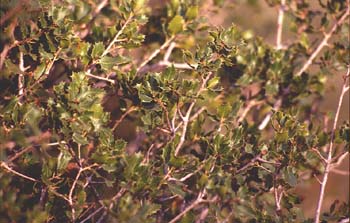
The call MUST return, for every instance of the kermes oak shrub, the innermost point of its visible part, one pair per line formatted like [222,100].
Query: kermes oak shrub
[112,112]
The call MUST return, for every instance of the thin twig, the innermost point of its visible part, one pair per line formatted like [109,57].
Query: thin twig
[324,42]
[346,220]
[339,159]
[169,51]
[318,179]
[276,196]
[340,172]
[267,118]
[70,198]
[117,35]
[246,110]
[21,5]
[117,123]
[52,190]
[186,118]
[183,66]
[5,166]
[114,199]
[155,53]
[19,154]
[194,204]
[280,25]
[88,73]
[92,214]
[21,78]
[324,160]
[330,150]
[251,162]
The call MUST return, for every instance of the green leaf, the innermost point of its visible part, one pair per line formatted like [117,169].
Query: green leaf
[63,159]
[176,24]
[107,62]
[39,71]
[282,136]
[290,177]
[176,189]
[213,82]
[80,139]
[144,98]
[98,49]
[192,12]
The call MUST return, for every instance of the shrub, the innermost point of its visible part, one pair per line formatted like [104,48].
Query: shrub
[113,112]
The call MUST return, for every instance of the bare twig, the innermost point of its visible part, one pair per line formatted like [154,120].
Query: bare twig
[117,123]
[56,143]
[5,166]
[256,159]
[346,220]
[15,10]
[249,106]
[324,42]
[100,6]
[20,153]
[114,199]
[186,118]
[155,53]
[183,66]
[52,190]
[340,172]
[194,204]
[88,73]
[276,195]
[318,179]
[71,191]
[92,214]
[280,25]
[169,51]
[324,160]
[267,118]
[330,150]
[339,159]
[21,78]
[107,50]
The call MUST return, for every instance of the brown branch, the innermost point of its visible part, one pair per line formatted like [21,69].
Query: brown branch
[330,149]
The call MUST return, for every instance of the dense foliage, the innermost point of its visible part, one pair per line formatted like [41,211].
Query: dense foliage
[112,111]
